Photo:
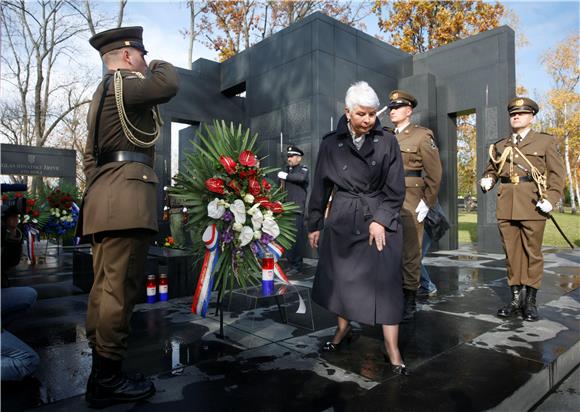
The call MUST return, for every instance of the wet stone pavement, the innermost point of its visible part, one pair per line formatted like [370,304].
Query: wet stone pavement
[462,357]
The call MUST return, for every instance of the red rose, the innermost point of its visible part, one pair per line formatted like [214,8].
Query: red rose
[276,207]
[234,185]
[247,173]
[228,164]
[215,185]
[18,195]
[265,185]
[30,202]
[4,198]
[35,213]
[247,158]
[253,186]
[262,200]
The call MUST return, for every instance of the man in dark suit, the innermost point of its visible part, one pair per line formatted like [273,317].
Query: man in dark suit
[295,181]
[118,209]
[531,173]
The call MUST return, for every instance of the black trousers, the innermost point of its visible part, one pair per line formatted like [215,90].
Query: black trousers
[294,254]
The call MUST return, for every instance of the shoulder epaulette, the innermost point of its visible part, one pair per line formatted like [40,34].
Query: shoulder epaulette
[389,129]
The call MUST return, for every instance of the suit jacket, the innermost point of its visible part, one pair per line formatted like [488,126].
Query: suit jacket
[420,154]
[297,185]
[518,201]
[123,195]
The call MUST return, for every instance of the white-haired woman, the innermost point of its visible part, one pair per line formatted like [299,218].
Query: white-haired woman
[359,268]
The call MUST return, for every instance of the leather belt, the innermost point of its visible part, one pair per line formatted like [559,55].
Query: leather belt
[412,173]
[124,156]
[515,179]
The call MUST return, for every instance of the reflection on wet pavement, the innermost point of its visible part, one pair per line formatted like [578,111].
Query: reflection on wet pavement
[265,364]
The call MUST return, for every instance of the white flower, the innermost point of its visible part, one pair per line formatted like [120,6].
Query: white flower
[215,210]
[257,234]
[269,213]
[237,227]
[253,209]
[257,219]
[246,235]
[248,198]
[223,203]
[239,210]
[270,227]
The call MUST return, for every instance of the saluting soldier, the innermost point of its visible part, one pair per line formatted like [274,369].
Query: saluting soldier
[422,179]
[118,211]
[295,180]
[531,173]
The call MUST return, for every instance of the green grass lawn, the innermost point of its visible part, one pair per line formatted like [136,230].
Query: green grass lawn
[569,223]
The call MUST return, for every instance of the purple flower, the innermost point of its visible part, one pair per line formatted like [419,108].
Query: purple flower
[228,216]
[227,236]
[254,248]
[266,238]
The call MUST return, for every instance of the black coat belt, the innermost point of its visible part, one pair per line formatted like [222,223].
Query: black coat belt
[124,156]
[361,200]
[517,179]
[412,173]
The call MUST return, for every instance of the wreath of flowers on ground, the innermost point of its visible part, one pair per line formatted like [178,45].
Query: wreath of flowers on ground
[226,190]
[33,214]
[63,210]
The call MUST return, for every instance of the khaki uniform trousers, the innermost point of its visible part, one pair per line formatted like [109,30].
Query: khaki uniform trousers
[522,242]
[412,242]
[119,260]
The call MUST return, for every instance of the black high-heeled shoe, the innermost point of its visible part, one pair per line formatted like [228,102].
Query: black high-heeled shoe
[333,347]
[397,369]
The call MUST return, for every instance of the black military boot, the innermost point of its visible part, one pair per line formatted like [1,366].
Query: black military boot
[530,309]
[515,306]
[108,385]
[410,304]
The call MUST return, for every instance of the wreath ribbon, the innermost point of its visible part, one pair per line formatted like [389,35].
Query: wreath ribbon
[204,287]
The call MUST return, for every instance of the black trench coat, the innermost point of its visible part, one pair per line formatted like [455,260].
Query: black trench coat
[353,279]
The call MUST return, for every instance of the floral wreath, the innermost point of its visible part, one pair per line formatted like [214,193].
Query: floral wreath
[235,213]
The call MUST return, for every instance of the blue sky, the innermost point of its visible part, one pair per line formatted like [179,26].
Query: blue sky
[544,24]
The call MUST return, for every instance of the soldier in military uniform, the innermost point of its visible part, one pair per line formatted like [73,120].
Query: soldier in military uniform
[531,173]
[422,179]
[295,181]
[118,210]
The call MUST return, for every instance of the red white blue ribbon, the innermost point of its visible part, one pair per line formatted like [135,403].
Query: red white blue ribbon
[31,234]
[204,287]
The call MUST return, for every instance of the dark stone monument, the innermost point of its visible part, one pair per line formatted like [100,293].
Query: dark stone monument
[295,82]
[38,161]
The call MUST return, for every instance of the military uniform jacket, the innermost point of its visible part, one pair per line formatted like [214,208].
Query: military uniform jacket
[420,154]
[123,195]
[297,185]
[518,201]
[354,279]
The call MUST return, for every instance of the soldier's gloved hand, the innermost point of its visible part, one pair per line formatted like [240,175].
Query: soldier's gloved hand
[486,183]
[282,175]
[544,205]
[422,210]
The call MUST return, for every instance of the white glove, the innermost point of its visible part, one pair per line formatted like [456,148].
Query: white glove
[422,210]
[544,206]
[282,175]
[486,183]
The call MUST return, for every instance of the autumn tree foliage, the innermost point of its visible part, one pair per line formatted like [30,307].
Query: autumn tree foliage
[562,114]
[418,26]
[234,25]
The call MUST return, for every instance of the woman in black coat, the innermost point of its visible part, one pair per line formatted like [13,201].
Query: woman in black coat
[359,269]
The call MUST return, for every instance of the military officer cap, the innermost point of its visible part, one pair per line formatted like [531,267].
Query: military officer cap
[113,39]
[294,151]
[523,105]
[399,98]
